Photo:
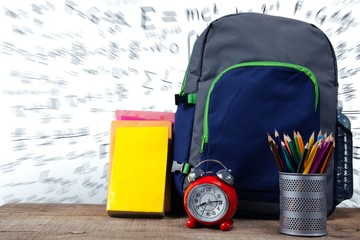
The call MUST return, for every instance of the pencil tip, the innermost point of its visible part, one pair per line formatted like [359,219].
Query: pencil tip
[276,133]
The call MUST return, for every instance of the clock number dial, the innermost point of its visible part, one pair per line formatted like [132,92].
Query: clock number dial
[207,202]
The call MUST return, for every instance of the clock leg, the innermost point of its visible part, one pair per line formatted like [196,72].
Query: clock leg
[227,225]
[191,223]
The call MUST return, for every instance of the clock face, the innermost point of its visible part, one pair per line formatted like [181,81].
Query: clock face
[207,202]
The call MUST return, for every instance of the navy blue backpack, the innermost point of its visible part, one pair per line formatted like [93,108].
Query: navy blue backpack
[249,74]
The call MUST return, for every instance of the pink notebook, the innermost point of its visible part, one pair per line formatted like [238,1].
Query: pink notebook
[144,115]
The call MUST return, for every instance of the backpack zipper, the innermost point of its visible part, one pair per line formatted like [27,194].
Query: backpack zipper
[300,68]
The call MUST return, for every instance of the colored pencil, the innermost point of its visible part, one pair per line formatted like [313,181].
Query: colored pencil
[311,142]
[319,157]
[288,159]
[319,137]
[282,157]
[324,158]
[287,144]
[292,156]
[327,159]
[274,149]
[293,150]
[320,147]
[300,168]
[309,161]
[297,145]
[301,142]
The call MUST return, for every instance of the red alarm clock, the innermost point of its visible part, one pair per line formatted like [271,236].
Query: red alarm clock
[210,200]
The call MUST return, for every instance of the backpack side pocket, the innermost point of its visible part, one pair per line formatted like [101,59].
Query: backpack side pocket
[343,164]
[183,127]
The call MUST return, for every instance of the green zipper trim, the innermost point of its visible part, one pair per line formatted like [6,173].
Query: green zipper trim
[182,90]
[300,68]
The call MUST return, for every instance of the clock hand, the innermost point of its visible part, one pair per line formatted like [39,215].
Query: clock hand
[208,202]
[202,204]
[204,208]
[205,203]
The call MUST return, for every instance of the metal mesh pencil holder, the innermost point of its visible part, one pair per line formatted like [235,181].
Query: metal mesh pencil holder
[303,204]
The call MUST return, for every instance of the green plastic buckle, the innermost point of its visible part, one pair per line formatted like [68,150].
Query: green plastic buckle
[181,167]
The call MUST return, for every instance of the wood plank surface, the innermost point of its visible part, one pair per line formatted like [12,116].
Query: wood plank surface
[80,221]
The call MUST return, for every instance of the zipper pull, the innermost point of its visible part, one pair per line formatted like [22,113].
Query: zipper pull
[203,141]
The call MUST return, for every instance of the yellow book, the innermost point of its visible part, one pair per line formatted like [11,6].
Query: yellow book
[137,183]
[133,123]
[140,123]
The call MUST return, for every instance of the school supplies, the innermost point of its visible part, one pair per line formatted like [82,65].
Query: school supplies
[315,162]
[133,123]
[248,74]
[138,179]
[144,115]
[303,204]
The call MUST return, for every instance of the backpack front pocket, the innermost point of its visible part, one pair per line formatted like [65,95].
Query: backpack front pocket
[244,103]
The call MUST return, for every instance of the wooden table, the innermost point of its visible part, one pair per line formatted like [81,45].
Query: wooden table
[75,221]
